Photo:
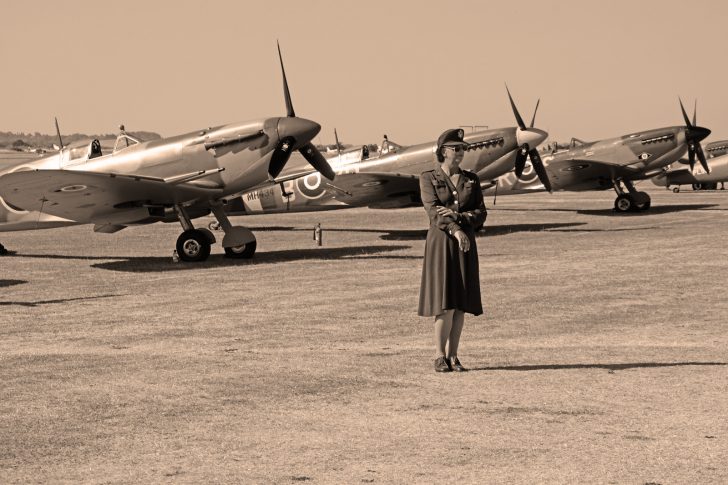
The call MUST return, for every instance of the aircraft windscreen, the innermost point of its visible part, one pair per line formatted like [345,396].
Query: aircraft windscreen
[124,141]
[78,152]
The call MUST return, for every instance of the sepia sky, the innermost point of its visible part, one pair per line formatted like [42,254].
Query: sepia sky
[407,68]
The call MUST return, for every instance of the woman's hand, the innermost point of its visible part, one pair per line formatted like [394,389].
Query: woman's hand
[463,241]
[444,211]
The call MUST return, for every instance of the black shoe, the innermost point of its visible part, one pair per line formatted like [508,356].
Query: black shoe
[455,364]
[441,365]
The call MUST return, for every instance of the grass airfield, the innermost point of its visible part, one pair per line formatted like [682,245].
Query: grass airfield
[602,356]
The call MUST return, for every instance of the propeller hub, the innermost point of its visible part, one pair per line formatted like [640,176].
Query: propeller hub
[300,129]
[697,133]
[532,137]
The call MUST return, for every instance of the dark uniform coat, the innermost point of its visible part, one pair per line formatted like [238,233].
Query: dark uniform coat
[450,277]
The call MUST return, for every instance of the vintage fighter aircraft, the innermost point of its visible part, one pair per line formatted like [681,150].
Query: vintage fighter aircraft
[700,179]
[390,178]
[172,179]
[615,162]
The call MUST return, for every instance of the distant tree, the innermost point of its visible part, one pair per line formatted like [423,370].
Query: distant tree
[19,144]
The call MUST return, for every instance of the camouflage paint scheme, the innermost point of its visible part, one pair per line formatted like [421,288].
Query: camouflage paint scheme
[607,164]
[389,179]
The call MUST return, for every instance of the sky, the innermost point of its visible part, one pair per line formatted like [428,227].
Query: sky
[410,69]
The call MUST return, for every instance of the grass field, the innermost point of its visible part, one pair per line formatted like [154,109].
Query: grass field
[601,357]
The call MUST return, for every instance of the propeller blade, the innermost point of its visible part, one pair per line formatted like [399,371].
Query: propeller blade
[521,157]
[58,132]
[539,168]
[533,120]
[519,120]
[701,157]
[286,93]
[280,156]
[317,161]
[685,115]
[695,113]
[691,155]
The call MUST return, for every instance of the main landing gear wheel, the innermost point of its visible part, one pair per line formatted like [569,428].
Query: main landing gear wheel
[623,203]
[697,186]
[245,251]
[193,245]
[642,201]
[676,190]
[637,201]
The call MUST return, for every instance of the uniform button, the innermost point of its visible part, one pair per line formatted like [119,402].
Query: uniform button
[456,201]
[454,192]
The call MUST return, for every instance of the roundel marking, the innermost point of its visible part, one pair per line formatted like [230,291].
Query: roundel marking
[72,188]
[373,183]
[310,186]
[529,174]
[574,168]
[645,156]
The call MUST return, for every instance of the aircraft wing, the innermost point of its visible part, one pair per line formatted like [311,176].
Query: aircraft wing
[576,174]
[90,196]
[376,189]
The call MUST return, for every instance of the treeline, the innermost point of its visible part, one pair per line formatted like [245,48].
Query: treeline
[22,141]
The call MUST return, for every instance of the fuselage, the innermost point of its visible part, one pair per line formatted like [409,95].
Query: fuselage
[492,154]
[680,174]
[595,165]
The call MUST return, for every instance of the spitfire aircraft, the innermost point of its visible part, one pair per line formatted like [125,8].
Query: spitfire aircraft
[390,178]
[617,163]
[698,177]
[173,179]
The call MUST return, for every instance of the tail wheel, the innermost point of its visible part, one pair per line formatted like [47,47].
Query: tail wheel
[193,245]
[676,189]
[245,251]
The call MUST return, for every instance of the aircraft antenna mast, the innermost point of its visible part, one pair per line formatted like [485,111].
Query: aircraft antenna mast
[58,132]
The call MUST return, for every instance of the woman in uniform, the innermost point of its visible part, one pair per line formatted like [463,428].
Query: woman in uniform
[450,279]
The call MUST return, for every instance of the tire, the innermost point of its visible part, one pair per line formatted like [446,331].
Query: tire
[676,190]
[623,203]
[697,186]
[642,201]
[246,251]
[193,246]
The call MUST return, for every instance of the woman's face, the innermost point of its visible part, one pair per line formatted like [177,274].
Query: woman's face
[453,156]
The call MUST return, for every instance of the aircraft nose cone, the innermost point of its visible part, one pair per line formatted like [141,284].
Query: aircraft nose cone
[698,133]
[531,136]
[301,129]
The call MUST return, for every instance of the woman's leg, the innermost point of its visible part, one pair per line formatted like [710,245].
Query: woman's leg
[443,327]
[458,320]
